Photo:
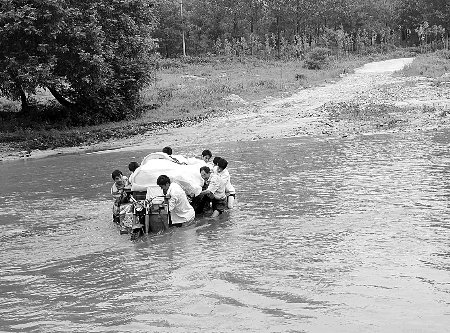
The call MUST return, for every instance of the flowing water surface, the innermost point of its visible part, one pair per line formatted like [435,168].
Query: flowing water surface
[329,235]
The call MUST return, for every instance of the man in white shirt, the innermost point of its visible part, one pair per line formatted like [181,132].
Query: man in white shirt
[180,209]
[214,193]
[223,173]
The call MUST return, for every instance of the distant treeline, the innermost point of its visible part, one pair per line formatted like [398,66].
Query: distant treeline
[290,27]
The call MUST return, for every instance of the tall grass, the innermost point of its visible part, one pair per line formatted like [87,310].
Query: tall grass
[433,65]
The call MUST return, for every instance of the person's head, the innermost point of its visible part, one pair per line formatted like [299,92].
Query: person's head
[215,160]
[222,164]
[117,176]
[167,150]
[133,166]
[164,182]
[205,172]
[206,155]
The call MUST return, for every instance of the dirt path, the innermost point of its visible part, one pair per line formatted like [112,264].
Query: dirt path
[372,99]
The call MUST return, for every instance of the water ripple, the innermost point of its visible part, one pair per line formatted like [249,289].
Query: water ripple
[327,233]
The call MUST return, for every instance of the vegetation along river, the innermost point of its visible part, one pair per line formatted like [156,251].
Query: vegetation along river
[329,235]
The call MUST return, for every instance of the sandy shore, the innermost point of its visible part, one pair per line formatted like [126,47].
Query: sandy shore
[372,99]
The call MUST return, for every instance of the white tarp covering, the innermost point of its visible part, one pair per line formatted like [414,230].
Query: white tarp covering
[156,164]
[174,158]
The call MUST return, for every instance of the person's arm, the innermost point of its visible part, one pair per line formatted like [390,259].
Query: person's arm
[130,181]
[172,203]
[225,176]
[214,184]
[172,198]
[116,194]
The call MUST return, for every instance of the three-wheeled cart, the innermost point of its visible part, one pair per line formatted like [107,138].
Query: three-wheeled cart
[146,215]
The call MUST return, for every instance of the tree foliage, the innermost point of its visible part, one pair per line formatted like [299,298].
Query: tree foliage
[93,56]
[296,26]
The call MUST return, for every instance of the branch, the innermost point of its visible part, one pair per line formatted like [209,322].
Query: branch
[61,99]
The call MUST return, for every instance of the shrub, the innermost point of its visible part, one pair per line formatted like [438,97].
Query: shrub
[317,58]
[444,54]
[8,105]
[166,63]
[264,83]
[165,94]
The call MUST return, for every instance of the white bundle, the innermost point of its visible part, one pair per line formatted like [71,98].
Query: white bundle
[156,164]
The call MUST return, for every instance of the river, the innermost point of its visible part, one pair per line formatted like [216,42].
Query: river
[329,235]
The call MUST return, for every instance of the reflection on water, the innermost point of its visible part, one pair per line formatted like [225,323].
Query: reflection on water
[349,233]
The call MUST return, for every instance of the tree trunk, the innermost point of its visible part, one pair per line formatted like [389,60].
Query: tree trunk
[182,29]
[278,35]
[235,26]
[253,20]
[23,96]
[251,35]
[61,99]
[23,100]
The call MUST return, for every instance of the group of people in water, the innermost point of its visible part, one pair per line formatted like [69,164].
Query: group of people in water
[217,191]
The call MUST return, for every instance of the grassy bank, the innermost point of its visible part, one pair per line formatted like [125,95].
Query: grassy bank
[432,65]
[182,93]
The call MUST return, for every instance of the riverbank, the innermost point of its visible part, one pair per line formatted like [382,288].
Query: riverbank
[372,99]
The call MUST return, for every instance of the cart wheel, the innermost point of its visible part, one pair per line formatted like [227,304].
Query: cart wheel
[136,233]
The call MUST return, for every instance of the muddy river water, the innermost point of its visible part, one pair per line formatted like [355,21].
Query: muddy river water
[329,235]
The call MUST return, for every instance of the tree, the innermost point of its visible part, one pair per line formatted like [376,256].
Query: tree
[414,16]
[169,28]
[93,55]
[438,13]
[26,29]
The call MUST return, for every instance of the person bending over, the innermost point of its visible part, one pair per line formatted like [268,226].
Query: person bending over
[213,195]
[180,209]
[174,158]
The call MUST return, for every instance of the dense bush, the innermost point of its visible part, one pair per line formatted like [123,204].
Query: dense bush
[317,58]
[444,54]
